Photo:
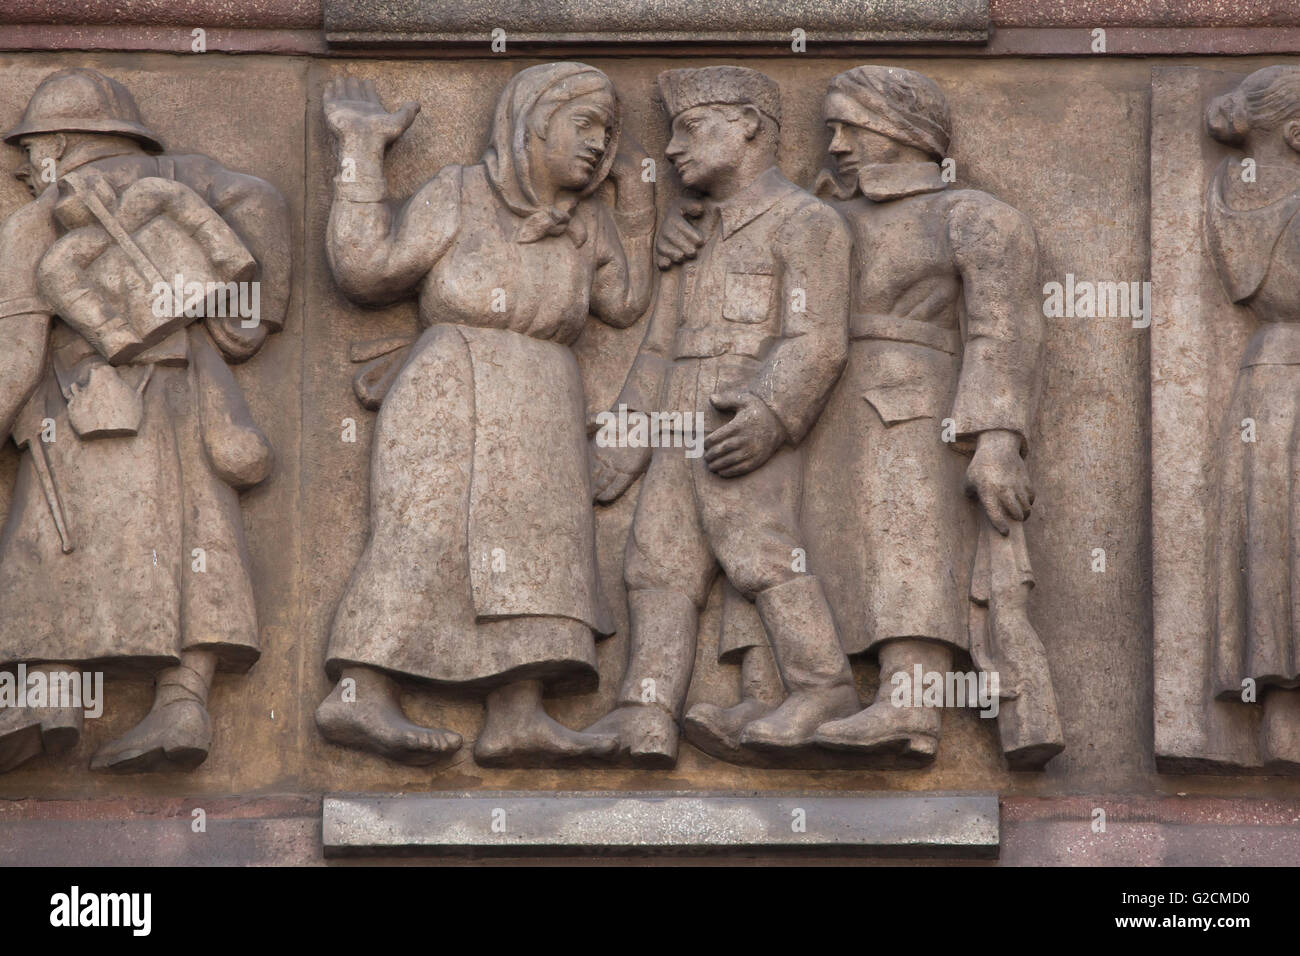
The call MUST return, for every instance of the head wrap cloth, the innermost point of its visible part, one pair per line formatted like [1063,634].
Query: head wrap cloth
[525,106]
[901,104]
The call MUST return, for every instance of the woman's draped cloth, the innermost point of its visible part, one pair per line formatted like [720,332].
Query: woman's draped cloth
[504,502]
[1250,231]
[508,167]
[482,559]
[542,90]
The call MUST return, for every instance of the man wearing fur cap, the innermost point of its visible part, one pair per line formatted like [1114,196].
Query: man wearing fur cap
[751,336]
[937,398]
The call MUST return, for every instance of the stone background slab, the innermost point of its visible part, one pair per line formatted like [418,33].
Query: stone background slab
[1067,141]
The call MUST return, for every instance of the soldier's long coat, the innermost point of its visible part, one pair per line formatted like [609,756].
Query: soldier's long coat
[137,506]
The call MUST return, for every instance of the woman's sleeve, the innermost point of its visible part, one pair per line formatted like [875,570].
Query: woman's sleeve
[621,287]
[379,252]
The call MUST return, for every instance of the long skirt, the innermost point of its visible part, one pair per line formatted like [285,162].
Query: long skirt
[130,593]
[1258,534]
[480,568]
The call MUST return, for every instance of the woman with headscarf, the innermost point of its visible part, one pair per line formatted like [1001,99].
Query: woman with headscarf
[1252,229]
[480,569]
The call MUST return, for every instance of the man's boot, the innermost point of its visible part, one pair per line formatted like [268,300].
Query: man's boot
[884,727]
[27,732]
[713,728]
[1280,730]
[177,731]
[816,674]
[660,659]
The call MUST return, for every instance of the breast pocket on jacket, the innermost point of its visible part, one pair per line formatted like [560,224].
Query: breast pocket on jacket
[747,296]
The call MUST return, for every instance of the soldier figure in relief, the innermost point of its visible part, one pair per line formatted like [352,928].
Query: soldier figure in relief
[136,437]
[946,328]
[937,398]
[751,335]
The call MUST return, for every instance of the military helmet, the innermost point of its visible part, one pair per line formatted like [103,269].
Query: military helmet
[82,101]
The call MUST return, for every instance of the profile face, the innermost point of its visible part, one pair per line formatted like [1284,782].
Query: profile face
[27,176]
[856,146]
[577,137]
[43,151]
[705,143]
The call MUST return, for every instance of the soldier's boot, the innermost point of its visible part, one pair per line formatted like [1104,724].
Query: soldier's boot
[519,732]
[814,670]
[884,727]
[660,659]
[712,727]
[364,712]
[177,731]
[1281,730]
[27,732]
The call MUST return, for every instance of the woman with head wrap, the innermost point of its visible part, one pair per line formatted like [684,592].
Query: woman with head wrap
[480,569]
[1252,228]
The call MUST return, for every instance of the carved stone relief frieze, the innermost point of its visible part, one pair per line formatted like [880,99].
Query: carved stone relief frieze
[128,287]
[830,409]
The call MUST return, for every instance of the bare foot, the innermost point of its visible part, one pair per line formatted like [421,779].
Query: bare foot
[519,732]
[175,735]
[367,715]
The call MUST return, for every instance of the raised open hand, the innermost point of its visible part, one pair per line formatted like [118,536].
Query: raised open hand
[353,110]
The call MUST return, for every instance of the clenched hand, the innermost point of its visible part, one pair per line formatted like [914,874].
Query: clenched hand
[998,479]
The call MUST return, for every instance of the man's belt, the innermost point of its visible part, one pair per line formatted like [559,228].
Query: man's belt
[23,305]
[894,328]
[706,343]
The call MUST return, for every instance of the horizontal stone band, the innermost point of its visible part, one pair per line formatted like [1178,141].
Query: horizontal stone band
[908,825]
[658,21]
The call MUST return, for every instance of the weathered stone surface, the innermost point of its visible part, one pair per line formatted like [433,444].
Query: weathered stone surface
[927,825]
[1222,429]
[656,21]
[1132,13]
[267,383]
[126,292]
[190,13]
[1066,142]
[1077,608]
[1079,355]
[286,830]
